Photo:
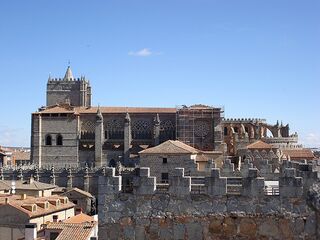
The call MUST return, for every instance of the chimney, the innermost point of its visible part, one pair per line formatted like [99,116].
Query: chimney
[55,218]
[30,232]
[23,196]
[78,211]
[31,180]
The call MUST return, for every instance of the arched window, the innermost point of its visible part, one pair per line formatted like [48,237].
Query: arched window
[48,140]
[59,140]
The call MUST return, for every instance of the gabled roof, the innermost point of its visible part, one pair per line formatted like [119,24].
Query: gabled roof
[87,194]
[259,145]
[28,185]
[58,108]
[80,218]
[84,110]
[171,147]
[78,231]
[64,108]
[299,154]
[16,202]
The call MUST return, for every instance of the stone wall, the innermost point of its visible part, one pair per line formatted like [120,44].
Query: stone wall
[156,165]
[183,210]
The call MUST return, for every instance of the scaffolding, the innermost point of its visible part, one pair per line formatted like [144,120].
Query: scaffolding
[196,125]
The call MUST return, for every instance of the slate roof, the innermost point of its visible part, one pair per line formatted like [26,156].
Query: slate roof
[171,147]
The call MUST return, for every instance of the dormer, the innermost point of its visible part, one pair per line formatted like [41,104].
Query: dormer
[55,202]
[32,207]
[43,204]
[64,200]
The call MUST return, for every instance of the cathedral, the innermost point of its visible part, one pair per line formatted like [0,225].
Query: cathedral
[68,131]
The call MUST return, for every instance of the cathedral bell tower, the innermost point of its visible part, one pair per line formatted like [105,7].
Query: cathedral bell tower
[70,90]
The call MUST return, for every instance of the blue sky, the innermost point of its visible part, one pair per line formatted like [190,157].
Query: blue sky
[255,58]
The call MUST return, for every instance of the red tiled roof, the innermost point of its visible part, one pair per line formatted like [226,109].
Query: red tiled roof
[21,155]
[299,154]
[80,218]
[78,231]
[93,110]
[259,145]
[16,202]
[125,110]
[170,147]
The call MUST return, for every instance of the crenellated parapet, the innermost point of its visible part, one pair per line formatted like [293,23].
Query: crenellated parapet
[243,120]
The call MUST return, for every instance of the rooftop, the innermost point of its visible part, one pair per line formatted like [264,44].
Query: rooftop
[22,203]
[299,154]
[259,145]
[171,147]
[87,194]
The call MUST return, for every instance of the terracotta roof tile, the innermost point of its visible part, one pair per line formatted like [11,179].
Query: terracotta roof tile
[125,110]
[21,155]
[79,231]
[16,202]
[170,147]
[299,154]
[80,218]
[92,110]
[259,145]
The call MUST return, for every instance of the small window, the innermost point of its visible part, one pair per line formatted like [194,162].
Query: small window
[75,202]
[164,160]
[164,177]
[48,140]
[225,131]
[59,140]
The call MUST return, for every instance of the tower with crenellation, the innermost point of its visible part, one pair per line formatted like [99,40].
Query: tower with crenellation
[70,90]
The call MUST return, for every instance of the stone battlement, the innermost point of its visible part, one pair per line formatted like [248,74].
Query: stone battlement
[292,182]
[183,210]
[243,120]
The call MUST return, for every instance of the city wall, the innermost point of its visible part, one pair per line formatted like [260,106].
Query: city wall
[186,210]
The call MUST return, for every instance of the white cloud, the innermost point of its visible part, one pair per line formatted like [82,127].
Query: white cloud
[13,137]
[145,52]
[311,140]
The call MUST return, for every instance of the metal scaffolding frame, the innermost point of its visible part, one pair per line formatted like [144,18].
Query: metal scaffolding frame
[186,118]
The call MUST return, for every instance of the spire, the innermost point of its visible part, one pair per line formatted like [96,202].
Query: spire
[68,76]
[127,118]
[157,119]
[99,115]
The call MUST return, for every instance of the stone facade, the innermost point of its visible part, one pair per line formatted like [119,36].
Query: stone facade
[185,210]
[69,132]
